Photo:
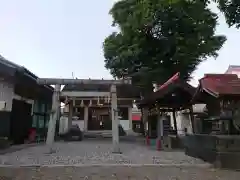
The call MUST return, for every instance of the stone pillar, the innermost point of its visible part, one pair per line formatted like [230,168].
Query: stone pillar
[54,115]
[161,119]
[85,118]
[130,118]
[70,114]
[149,132]
[192,121]
[115,120]
[145,120]
[160,131]
[175,121]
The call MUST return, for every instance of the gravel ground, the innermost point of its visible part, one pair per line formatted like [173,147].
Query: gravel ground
[94,152]
[116,173]
[94,160]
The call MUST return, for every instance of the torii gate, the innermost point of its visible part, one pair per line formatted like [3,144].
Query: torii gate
[56,104]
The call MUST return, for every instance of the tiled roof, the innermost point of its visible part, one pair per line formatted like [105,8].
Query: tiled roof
[12,68]
[232,68]
[220,84]
[123,90]
[173,84]
[176,82]
[8,68]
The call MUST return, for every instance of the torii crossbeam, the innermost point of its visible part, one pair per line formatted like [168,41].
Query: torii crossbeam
[56,104]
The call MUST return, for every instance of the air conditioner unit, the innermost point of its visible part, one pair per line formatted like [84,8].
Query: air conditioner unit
[3,105]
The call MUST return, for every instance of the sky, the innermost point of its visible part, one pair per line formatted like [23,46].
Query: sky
[63,38]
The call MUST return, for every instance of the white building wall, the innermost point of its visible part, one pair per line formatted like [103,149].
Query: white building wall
[6,94]
[183,121]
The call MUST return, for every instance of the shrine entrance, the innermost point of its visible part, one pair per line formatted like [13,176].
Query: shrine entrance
[99,118]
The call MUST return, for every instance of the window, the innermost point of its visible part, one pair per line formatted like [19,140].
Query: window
[35,106]
[34,122]
[41,121]
[38,121]
[47,121]
[48,107]
[42,107]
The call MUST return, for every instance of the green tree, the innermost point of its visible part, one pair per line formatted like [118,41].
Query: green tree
[156,39]
[231,10]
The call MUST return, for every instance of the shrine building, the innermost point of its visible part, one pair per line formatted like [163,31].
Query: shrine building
[90,105]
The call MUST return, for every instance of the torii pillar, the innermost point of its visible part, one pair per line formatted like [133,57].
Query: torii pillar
[115,120]
[54,114]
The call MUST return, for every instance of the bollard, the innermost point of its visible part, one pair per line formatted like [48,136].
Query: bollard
[147,140]
[159,144]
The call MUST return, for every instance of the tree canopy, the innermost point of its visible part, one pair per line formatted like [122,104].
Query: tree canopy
[231,11]
[156,39]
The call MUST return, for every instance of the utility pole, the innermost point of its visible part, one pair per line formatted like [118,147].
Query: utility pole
[56,104]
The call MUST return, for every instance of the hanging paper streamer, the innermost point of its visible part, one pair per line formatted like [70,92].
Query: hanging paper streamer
[73,102]
[82,104]
[90,103]
[98,101]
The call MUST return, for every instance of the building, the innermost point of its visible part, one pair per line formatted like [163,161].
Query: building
[136,119]
[23,103]
[90,107]
[217,141]
[183,119]
[233,69]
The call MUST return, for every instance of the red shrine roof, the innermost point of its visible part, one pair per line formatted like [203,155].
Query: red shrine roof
[220,84]
[175,81]
[174,78]
[233,69]
[173,85]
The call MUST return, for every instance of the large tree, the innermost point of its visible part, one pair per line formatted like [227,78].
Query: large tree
[157,39]
[230,9]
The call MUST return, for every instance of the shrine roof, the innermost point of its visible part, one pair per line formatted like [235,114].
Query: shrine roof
[220,84]
[10,70]
[232,69]
[123,90]
[173,92]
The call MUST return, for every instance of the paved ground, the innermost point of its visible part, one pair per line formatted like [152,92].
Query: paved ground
[87,160]
[117,173]
[94,152]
